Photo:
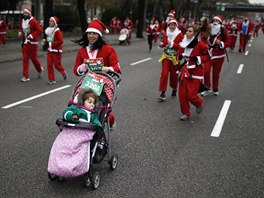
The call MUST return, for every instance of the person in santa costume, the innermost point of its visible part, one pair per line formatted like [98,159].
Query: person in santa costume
[128,23]
[54,41]
[151,30]
[93,46]
[165,24]
[217,41]
[3,29]
[193,54]
[246,29]
[204,30]
[29,32]
[233,32]
[170,43]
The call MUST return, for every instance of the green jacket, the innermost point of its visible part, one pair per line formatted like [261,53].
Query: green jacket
[83,114]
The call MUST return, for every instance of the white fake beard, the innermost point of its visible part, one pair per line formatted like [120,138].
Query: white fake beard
[215,29]
[49,31]
[186,41]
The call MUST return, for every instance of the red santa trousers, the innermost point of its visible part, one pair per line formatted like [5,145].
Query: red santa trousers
[30,51]
[188,90]
[243,40]
[168,67]
[54,58]
[216,64]
[2,39]
[233,39]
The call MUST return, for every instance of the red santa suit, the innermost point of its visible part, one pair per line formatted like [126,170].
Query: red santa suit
[233,32]
[129,25]
[113,25]
[217,53]
[31,30]
[55,41]
[246,28]
[3,29]
[151,30]
[191,72]
[106,52]
[169,63]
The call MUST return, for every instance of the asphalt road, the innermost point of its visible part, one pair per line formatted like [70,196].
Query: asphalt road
[160,156]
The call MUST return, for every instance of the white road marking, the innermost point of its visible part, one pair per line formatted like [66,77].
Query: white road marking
[34,97]
[221,118]
[141,61]
[249,45]
[246,53]
[240,68]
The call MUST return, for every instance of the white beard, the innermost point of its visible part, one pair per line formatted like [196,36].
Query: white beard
[49,31]
[215,29]
[186,41]
[172,35]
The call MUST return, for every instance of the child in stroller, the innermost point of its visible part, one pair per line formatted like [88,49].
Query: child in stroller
[71,155]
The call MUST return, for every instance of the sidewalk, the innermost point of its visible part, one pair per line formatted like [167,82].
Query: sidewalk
[12,50]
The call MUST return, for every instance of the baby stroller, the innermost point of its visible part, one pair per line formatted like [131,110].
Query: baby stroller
[124,37]
[78,148]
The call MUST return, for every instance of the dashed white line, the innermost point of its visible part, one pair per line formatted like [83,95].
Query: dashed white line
[141,61]
[246,53]
[240,68]
[34,97]
[249,45]
[221,119]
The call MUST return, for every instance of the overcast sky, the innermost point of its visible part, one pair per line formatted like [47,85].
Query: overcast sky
[256,1]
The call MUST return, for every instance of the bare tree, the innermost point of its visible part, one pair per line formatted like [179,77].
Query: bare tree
[82,14]
[141,12]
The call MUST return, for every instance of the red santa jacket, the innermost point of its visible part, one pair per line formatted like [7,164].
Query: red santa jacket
[106,52]
[31,30]
[3,27]
[151,29]
[176,40]
[190,68]
[56,44]
[218,51]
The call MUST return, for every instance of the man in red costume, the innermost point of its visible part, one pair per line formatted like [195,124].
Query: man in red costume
[218,41]
[30,31]
[246,28]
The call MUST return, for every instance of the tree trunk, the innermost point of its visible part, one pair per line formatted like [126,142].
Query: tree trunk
[141,9]
[82,15]
[48,7]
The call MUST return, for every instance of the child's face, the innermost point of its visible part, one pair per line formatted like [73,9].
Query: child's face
[172,26]
[89,103]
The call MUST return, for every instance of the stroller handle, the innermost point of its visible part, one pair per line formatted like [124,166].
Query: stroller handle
[116,76]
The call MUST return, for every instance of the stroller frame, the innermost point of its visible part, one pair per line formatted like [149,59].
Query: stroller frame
[92,177]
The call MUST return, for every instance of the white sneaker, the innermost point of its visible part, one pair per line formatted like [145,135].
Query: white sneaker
[206,93]
[24,79]
[184,117]
[51,82]
[216,93]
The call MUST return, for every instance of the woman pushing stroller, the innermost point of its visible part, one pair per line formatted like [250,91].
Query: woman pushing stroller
[94,47]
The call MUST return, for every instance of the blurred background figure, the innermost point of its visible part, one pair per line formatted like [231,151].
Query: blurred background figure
[3,29]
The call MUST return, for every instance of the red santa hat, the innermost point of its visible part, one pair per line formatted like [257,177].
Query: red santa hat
[28,10]
[219,18]
[172,13]
[97,26]
[173,20]
[55,19]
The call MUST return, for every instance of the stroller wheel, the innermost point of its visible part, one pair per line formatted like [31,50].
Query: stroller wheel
[52,177]
[95,180]
[87,181]
[113,162]
[60,179]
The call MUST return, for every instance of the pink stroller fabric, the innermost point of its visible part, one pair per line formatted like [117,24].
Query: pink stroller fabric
[70,152]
